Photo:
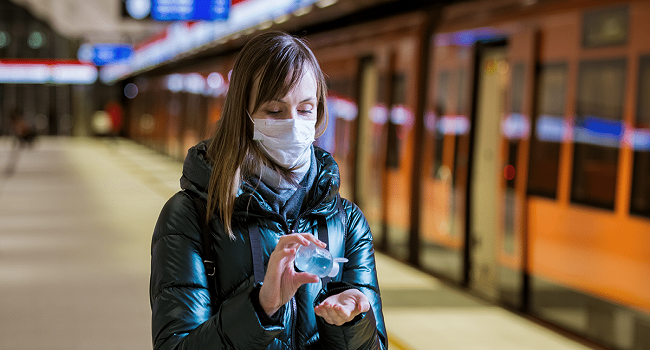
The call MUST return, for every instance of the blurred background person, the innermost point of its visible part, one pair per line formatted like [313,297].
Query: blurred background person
[24,136]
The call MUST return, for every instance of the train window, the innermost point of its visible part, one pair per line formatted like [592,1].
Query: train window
[517,88]
[462,92]
[598,131]
[342,113]
[605,27]
[442,93]
[640,201]
[398,96]
[548,124]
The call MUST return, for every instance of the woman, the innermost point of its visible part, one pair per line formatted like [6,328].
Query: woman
[268,191]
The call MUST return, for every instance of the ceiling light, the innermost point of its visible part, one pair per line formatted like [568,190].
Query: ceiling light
[302,11]
[325,3]
[282,19]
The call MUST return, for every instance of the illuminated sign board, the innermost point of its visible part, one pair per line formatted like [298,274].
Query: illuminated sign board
[189,10]
[47,72]
[101,54]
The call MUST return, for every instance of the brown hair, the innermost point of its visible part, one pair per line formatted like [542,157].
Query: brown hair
[275,60]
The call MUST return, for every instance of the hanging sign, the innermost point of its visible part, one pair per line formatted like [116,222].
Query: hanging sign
[189,10]
[101,54]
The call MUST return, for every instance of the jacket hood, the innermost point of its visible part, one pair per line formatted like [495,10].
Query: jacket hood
[197,171]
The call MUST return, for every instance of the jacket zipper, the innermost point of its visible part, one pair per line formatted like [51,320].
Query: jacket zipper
[294,327]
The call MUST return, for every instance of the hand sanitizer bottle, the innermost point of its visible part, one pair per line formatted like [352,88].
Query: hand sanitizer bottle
[318,261]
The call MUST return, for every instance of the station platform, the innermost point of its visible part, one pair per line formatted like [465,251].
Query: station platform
[76,218]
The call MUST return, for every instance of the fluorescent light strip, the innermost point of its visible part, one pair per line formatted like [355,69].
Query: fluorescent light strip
[46,72]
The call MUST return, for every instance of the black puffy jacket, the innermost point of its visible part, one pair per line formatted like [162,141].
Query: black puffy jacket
[184,314]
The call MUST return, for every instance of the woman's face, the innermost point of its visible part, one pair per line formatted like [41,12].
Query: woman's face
[299,103]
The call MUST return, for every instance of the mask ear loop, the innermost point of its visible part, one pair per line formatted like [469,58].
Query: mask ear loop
[261,164]
[252,121]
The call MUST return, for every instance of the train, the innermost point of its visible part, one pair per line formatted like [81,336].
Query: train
[502,146]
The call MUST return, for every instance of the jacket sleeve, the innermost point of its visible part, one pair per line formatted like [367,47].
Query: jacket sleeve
[366,331]
[182,315]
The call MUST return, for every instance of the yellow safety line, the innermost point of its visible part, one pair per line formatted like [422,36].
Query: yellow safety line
[397,343]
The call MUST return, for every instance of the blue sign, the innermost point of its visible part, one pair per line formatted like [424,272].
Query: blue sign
[101,54]
[189,10]
[598,131]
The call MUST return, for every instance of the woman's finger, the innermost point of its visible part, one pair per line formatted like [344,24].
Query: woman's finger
[326,313]
[306,277]
[332,314]
[363,305]
[292,239]
[287,251]
[341,308]
[338,317]
[305,238]
[314,239]
[325,316]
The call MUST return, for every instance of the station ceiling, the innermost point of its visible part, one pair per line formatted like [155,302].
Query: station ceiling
[101,21]
[92,21]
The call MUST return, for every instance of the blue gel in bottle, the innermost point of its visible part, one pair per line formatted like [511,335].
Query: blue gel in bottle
[317,261]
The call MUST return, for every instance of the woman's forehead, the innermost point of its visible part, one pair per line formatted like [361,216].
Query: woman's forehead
[305,81]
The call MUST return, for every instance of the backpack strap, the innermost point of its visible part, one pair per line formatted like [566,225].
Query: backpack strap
[208,256]
[342,216]
[322,229]
[256,251]
[324,237]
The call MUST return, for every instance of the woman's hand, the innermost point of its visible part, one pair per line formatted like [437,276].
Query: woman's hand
[281,280]
[343,307]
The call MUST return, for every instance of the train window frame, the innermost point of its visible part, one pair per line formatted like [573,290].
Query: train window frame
[641,157]
[591,153]
[545,107]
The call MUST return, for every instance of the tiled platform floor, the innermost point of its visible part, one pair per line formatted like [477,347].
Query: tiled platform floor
[76,218]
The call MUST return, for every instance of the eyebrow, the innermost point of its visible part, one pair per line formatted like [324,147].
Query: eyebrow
[309,99]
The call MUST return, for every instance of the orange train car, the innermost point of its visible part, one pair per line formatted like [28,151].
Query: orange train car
[557,155]
[503,146]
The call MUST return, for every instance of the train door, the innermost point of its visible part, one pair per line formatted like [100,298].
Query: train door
[491,88]
[445,150]
[400,147]
[512,241]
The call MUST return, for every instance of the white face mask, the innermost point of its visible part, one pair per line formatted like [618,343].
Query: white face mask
[286,141]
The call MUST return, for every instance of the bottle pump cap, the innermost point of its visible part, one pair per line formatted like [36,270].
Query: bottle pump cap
[335,266]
